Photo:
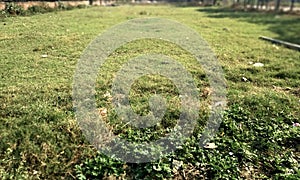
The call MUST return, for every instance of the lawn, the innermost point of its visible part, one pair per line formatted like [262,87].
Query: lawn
[258,138]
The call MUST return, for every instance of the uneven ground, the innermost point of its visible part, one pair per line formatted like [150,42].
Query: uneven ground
[41,139]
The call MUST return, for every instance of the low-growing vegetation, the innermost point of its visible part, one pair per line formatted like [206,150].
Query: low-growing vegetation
[258,138]
[13,9]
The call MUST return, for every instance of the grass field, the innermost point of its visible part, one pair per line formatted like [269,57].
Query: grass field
[40,138]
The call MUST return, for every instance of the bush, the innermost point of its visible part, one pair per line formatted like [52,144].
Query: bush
[64,6]
[61,5]
[81,6]
[14,9]
[39,9]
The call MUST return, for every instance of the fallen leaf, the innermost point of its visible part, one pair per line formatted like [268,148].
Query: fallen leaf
[220,103]
[177,165]
[276,47]
[103,112]
[210,146]
[108,96]
[258,64]
[296,124]
[206,92]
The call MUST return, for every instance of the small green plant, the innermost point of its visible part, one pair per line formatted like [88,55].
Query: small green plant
[160,169]
[99,167]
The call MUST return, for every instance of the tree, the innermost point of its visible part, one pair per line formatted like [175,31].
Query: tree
[245,4]
[277,5]
[267,4]
[257,4]
[292,5]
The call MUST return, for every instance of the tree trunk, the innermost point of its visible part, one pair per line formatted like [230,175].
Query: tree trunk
[292,5]
[252,4]
[277,5]
[267,4]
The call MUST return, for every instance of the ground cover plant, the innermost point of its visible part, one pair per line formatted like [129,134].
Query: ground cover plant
[258,138]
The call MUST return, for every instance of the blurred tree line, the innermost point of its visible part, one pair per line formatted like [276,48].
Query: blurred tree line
[266,4]
[246,4]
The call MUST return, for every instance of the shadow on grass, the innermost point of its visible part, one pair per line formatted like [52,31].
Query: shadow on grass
[285,26]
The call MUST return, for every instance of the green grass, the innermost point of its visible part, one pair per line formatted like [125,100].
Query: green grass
[41,139]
